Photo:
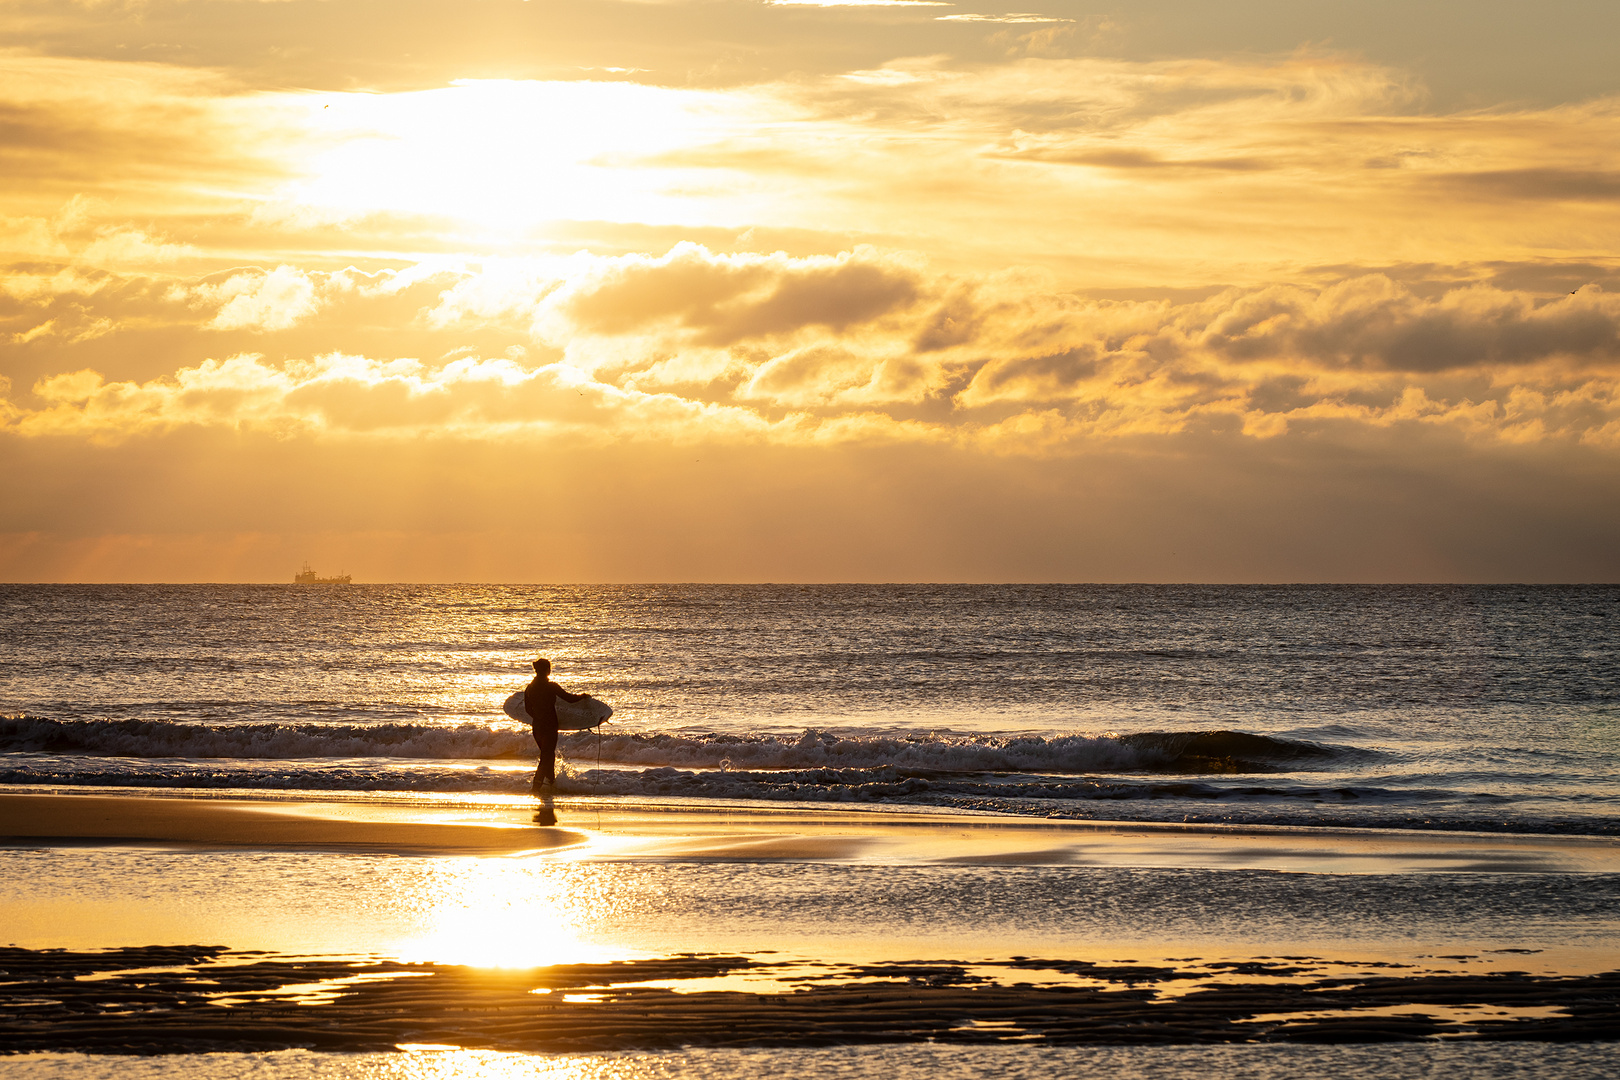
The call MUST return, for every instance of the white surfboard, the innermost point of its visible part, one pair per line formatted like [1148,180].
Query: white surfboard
[579,715]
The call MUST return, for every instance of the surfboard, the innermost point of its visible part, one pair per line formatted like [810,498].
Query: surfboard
[579,715]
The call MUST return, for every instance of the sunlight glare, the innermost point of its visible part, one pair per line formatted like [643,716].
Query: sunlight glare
[502,153]
[500,913]
[428,1061]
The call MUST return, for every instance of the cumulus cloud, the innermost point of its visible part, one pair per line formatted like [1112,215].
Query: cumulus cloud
[81,231]
[150,321]
[259,301]
[848,348]
[1373,322]
[724,299]
[828,376]
[342,396]
[254,299]
[740,329]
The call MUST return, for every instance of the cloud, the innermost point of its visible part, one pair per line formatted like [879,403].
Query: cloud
[1010,17]
[1108,170]
[867,346]
[1371,322]
[340,396]
[723,299]
[824,375]
[1129,159]
[1575,185]
[259,301]
[44,328]
[94,126]
[75,233]
[126,246]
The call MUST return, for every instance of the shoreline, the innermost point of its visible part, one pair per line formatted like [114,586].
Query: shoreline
[102,820]
[409,823]
[635,926]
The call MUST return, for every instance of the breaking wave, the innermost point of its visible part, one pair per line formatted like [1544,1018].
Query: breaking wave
[1211,776]
[1183,753]
[165,739]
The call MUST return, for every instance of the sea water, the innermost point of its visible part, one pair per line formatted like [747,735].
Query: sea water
[1438,708]
[927,1062]
[1484,708]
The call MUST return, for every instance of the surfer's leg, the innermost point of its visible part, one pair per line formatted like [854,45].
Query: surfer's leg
[547,770]
[544,769]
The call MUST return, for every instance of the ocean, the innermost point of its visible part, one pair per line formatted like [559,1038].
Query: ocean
[1475,708]
[1443,760]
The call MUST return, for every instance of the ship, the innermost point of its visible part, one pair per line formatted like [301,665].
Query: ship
[306,576]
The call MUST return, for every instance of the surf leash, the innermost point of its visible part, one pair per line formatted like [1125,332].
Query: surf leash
[597,776]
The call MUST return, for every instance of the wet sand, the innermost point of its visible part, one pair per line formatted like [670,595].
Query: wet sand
[100,819]
[589,829]
[146,1001]
[96,993]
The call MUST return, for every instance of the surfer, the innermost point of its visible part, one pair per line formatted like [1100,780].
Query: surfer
[540,699]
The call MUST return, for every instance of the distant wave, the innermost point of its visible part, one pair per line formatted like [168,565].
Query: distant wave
[1195,753]
[1211,776]
[1199,752]
[164,739]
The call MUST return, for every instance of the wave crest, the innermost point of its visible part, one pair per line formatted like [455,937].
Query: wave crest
[164,739]
[1174,752]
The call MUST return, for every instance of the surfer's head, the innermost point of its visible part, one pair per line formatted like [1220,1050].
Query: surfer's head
[542,666]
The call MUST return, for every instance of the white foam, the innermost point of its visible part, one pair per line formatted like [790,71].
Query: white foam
[812,749]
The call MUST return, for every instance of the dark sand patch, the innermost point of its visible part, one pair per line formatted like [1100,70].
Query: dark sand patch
[203,999]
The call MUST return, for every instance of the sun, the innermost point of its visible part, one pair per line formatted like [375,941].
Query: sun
[507,155]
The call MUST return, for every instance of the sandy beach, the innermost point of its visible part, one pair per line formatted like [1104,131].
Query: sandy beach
[627,829]
[461,923]
[228,823]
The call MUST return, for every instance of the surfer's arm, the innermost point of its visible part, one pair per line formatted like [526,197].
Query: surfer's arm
[565,695]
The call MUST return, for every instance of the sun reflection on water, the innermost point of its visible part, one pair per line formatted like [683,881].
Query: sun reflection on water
[496,914]
[426,1061]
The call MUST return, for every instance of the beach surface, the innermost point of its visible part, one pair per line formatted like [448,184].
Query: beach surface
[368,924]
[626,829]
[282,824]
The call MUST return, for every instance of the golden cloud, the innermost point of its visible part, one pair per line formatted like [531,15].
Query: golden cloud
[867,345]
[1123,170]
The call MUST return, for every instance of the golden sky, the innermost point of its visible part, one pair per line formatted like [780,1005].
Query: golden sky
[729,290]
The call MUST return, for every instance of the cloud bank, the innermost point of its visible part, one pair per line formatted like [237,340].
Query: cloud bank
[862,345]
[1023,299]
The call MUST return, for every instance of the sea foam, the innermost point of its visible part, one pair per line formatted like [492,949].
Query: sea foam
[1190,752]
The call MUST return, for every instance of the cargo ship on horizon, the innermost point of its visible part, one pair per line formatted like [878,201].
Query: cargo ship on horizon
[307,576]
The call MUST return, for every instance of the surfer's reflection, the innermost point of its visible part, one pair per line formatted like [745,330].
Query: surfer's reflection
[546,815]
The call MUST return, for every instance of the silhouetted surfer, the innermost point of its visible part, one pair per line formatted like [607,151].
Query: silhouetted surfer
[540,700]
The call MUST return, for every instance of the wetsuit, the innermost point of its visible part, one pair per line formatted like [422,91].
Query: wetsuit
[540,700]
